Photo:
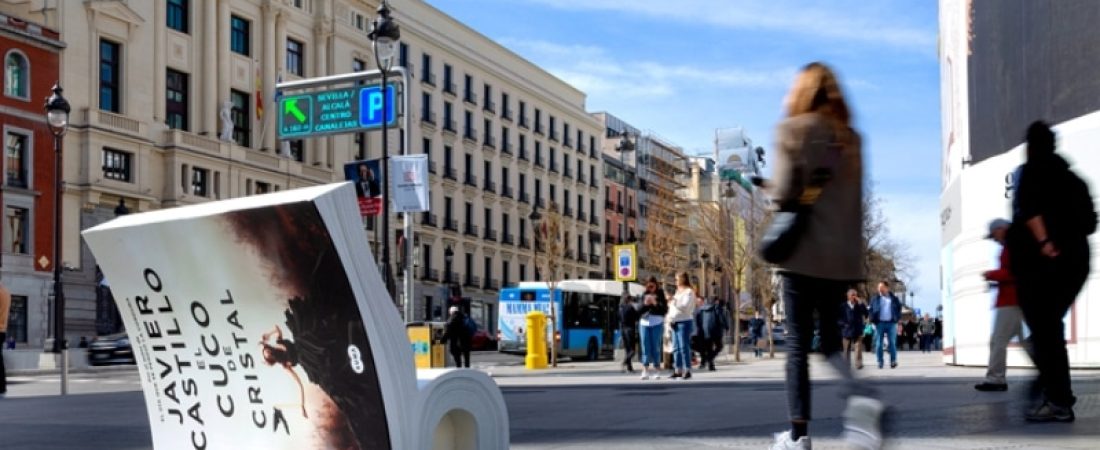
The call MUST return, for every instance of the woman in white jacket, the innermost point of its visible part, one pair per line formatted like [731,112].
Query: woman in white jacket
[681,316]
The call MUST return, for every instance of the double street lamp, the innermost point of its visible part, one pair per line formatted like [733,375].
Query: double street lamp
[57,119]
[384,34]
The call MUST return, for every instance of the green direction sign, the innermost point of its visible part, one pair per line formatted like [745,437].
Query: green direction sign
[335,111]
[728,173]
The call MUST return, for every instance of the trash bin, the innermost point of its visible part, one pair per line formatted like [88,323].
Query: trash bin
[427,344]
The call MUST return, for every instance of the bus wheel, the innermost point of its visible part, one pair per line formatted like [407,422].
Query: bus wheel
[593,350]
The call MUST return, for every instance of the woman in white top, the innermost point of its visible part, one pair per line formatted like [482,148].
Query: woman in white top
[681,316]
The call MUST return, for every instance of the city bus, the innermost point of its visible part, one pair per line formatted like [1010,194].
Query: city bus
[587,315]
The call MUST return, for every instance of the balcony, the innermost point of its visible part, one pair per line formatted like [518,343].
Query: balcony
[581,257]
[450,225]
[470,180]
[632,213]
[490,235]
[506,114]
[489,143]
[449,126]
[580,177]
[427,118]
[451,277]
[592,219]
[568,253]
[608,205]
[523,122]
[428,219]
[567,211]
[554,135]
[524,242]
[523,198]
[449,173]
[538,161]
[567,173]
[489,186]
[506,148]
[581,217]
[580,147]
[470,135]
[490,107]
[538,129]
[472,281]
[508,239]
[471,230]
[506,192]
[429,274]
[523,155]
[593,259]
[491,285]
[619,208]
[449,88]
[427,78]
[470,98]
[592,181]
[541,203]
[553,166]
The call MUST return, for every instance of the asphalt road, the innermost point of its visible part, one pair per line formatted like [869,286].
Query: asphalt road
[585,407]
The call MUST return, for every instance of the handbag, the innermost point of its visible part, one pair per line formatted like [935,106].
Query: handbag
[783,234]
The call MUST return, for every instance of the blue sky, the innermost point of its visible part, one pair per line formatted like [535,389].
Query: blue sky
[685,68]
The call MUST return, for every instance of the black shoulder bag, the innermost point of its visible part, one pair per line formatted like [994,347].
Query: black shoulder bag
[781,238]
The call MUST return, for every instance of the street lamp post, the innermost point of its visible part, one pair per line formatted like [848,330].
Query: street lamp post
[706,257]
[625,145]
[57,119]
[384,35]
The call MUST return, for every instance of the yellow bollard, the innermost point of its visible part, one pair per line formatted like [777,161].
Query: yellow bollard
[536,340]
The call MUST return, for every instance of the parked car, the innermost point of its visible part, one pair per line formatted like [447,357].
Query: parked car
[482,340]
[779,335]
[110,349]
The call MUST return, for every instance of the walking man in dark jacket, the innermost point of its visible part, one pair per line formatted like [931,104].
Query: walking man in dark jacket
[885,312]
[852,317]
[712,321]
[458,336]
[628,329]
[1053,216]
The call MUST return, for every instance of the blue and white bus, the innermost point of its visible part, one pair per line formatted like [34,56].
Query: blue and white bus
[587,315]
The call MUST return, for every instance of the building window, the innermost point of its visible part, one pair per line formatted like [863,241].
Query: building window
[262,187]
[426,68]
[358,65]
[403,59]
[298,149]
[175,107]
[17,319]
[469,89]
[295,59]
[200,181]
[177,15]
[16,230]
[110,76]
[16,72]
[15,159]
[116,165]
[448,80]
[242,123]
[240,35]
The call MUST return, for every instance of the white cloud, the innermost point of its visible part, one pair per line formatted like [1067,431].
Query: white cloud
[851,20]
[597,71]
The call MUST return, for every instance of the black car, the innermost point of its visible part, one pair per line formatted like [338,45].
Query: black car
[110,349]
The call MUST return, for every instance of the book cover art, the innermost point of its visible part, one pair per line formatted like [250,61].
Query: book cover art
[246,331]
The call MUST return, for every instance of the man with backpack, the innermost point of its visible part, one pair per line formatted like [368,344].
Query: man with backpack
[1053,216]
[458,335]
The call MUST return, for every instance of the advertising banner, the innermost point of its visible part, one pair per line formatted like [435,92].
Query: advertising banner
[367,178]
[410,185]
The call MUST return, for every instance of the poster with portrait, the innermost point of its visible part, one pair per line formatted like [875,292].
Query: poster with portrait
[368,179]
[246,329]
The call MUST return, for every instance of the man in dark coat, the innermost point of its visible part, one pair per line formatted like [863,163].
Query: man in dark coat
[458,336]
[1053,216]
[852,317]
[628,329]
[712,321]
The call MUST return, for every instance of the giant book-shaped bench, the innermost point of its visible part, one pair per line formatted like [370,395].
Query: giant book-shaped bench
[263,322]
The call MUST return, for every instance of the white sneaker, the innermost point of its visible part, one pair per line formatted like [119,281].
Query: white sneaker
[783,442]
[862,423]
[645,374]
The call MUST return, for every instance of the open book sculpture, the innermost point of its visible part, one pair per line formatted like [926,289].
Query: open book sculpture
[263,322]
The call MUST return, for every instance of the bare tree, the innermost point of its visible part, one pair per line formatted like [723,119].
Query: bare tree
[663,241]
[885,258]
[548,260]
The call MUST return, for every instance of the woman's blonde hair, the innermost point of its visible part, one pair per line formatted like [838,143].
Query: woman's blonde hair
[816,90]
[683,279]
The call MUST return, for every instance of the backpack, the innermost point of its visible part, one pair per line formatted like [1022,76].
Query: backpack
[1083,212]
[471,325]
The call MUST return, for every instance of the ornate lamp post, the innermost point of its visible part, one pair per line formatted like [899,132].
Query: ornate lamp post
[384,35]
[625,145]
[57,119]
